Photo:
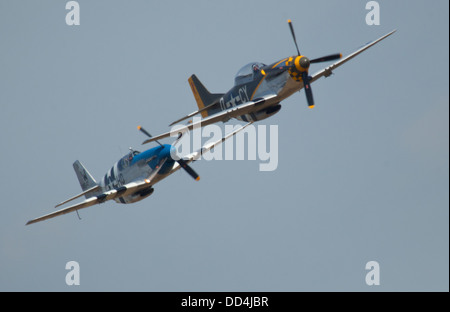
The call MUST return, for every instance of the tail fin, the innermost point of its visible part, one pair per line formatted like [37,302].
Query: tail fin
[84,177]
[204,98]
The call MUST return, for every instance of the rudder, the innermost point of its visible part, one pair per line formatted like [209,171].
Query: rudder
[204,98]
[84,177]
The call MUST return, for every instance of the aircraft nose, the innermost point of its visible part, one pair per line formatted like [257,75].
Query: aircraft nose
[172,151]
[298,65]
[304,62]
[169,151]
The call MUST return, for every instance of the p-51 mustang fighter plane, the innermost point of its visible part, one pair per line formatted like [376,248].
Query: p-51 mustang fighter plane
[260,88]
[131,179]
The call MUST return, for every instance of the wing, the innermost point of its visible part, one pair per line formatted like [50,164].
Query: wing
[127,189]
[328,71]
[88,202]
[222,116]
[197,154]
[124,190]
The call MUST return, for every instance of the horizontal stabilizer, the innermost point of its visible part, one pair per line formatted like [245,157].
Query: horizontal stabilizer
[193,114]
[95,188]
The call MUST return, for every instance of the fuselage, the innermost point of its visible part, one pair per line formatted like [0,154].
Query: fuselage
[256,80]
[138,166]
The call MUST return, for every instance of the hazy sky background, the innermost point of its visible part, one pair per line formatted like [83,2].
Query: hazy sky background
[364,176]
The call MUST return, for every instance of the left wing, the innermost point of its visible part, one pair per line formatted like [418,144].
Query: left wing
[92,189]
[124,190]
[222,116]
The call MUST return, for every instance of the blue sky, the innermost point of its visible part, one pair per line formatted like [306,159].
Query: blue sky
[362,177]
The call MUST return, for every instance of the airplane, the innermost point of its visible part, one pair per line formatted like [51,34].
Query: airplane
[259,89]
[132,178]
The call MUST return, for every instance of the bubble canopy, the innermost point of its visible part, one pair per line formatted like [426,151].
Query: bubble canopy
[245,74]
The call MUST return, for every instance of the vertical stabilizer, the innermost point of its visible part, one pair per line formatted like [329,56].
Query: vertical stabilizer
[204,98]
[84,177]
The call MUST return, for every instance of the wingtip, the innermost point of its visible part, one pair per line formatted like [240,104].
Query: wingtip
[392,32]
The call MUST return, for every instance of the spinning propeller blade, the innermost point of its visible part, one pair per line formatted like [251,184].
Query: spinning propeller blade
[327,58]
[304,63]
[308,91]
[293,36]
[146,133]
[188,169]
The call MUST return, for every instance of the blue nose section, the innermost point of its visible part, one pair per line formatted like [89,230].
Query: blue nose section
[155,155]
[165,152]
[173,151]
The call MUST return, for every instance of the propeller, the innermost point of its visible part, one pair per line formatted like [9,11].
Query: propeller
[183,164]
[308,91]
[147,134]
[293,36]
[327,58]
[298,67]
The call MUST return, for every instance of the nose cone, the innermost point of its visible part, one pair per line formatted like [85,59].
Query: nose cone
[170,152]
[173,152]
[302,63]
[298,65]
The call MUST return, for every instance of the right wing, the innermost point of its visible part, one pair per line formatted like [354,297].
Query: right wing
[196,155]
[222,116]
[328,71]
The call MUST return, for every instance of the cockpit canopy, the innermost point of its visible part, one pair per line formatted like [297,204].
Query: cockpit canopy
[125,161]
[246,73]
